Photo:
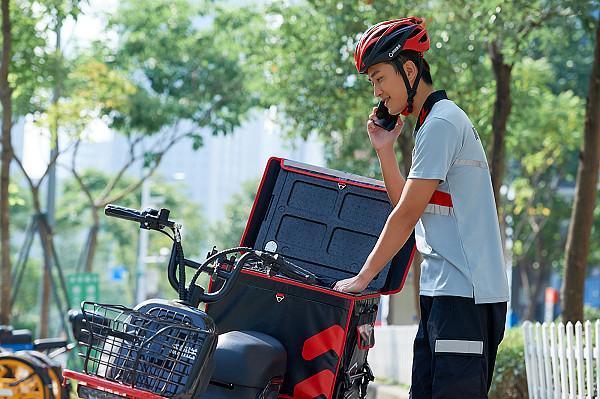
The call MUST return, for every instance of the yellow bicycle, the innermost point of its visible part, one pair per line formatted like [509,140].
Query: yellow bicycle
[25,378]
[31,373]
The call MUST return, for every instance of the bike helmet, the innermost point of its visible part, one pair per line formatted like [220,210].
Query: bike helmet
[384,41]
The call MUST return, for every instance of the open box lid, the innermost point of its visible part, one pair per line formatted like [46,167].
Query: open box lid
[325,221]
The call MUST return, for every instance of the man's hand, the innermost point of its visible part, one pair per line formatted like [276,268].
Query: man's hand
[381,138]
[354,284]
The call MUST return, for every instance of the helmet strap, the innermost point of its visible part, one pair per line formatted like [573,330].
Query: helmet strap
[411,91]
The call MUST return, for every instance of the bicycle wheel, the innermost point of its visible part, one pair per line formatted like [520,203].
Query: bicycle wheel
[22,379]
[54,371]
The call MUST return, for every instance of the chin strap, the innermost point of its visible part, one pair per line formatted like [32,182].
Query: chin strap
[411,91]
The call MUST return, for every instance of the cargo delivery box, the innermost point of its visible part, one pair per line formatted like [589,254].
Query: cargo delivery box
[326,222]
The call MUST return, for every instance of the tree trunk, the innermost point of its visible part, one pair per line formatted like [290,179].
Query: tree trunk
[46,241]
[6,157]
[540,278]
[582,216]
[502,108]
[92,242]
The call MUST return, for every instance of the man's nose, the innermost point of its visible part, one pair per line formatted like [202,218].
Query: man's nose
[377,91]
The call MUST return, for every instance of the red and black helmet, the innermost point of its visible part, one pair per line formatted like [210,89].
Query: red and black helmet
[383,41]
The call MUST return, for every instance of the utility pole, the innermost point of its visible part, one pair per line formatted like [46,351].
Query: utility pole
[51,197]
[140,269]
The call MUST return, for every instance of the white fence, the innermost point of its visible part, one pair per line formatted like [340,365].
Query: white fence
[562,362]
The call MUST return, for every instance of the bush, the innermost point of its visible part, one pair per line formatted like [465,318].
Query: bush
[510,380]
[591,313]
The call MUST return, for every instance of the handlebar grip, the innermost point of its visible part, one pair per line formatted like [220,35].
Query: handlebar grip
[123,213]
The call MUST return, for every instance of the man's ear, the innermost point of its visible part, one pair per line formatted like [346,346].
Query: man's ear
[411,71]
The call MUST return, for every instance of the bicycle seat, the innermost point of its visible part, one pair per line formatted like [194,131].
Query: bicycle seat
[245,363]
[44,344]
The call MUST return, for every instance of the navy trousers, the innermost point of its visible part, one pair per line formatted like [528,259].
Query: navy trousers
[455,348]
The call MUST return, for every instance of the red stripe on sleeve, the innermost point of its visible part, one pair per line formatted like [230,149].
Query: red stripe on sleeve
[441,198]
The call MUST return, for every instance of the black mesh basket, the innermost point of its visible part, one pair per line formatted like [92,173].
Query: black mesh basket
[159,351]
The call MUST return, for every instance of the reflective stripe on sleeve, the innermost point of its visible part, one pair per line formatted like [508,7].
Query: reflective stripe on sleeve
[438,210]
[459,346]
[471,162]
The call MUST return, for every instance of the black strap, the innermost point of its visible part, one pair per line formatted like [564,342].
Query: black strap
[410,91]
[428,105]
[367,378]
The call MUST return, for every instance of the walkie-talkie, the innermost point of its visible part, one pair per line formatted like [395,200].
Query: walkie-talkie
[383,118]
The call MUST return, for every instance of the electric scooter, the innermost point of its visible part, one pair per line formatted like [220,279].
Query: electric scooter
[171,348]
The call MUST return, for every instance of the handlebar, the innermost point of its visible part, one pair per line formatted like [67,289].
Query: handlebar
[149,218]
[123,213]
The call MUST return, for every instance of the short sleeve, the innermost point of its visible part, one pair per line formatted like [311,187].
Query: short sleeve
[436,145]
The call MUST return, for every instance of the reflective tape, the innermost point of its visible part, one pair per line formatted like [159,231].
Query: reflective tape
[438,210]
[471,162]
[459,346]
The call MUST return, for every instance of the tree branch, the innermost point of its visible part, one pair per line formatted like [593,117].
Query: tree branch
[52,162]
[27,177]
[132,158]
[134,186]
[528,27]
[78,178]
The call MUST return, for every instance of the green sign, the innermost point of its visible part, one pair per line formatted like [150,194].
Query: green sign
[83,287]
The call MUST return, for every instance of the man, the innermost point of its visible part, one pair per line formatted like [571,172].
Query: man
[448,199]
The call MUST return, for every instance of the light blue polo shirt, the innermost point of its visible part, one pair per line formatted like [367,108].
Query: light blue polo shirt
[459,241]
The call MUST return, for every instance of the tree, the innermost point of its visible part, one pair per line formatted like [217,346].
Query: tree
[505,28]
[582,217]
[52,17]
[164,81]
[540,161]
[18,83]
[6,158]
[164,71]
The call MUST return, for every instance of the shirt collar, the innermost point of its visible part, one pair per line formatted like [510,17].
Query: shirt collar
[428,105]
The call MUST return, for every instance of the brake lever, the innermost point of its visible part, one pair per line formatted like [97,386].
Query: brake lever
[156,220]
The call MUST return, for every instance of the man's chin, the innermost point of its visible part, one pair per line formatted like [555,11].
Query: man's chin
[394,111]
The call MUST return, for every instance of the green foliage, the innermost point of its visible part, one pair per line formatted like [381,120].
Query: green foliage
[591,313]
[510,379]
[302,56]
[179,72]
[541,149]
[91,90]
[19,203]
[25,312]
[29,62]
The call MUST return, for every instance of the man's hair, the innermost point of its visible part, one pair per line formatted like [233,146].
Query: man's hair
[413,56]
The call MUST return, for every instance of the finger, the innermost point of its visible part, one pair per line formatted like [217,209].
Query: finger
[371,127]
[398,128]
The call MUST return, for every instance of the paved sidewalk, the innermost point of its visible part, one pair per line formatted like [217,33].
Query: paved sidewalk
[381,391]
